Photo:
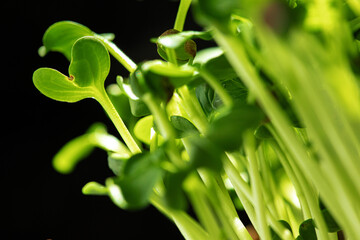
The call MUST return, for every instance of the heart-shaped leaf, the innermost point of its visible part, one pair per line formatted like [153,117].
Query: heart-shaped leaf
[89,67]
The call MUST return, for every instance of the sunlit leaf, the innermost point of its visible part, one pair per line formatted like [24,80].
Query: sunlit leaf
[61,36]
[89,67]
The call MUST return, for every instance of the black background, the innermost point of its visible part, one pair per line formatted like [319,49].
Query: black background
[38,202]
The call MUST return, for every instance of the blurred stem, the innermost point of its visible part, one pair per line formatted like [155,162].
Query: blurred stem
[305,187]
[262,227]
[188,227]
[181,14]
[204,211]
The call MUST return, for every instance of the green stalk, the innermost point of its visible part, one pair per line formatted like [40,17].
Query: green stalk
[109,108]
[304,187]
[165,127]
[118,54]
[193,109]
[261,226]
[188,227]
[245,70]
[201,204]
[290,173]
[181,14]
[221,198]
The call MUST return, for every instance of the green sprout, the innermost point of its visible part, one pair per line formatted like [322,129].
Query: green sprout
[266,122]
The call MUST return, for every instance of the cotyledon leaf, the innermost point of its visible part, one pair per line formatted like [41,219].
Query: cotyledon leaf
[89,67]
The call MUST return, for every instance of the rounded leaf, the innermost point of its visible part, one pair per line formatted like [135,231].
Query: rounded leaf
[57,86]
[90,62]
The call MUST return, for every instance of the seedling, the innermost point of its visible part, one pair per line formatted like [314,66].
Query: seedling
[266,122]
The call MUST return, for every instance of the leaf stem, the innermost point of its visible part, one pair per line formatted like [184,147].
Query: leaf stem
[181,14]
[165,127]
[118,54]
[106,103]
[188,227]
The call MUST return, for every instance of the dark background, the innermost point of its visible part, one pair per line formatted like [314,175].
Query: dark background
[38,202]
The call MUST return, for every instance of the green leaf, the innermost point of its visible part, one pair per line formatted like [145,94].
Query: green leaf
[115,193]
[307,230]
[220,67]
[116,162]
[89,67]
[205,95]
[204,154]
[183,127]
[227,129]
[205,55]
[177,39]
[159,78]
[71,153]
[94,188]
[141,173]
[79,148]
[137,107]
[57,86]
[142,129]
[90,62]
[185,48]
[178,75]
[61,36]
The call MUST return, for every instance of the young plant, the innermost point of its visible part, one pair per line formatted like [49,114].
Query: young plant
[267,122]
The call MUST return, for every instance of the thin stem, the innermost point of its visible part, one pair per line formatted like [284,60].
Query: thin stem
[181,14]
[220,197]
[165,127]
[237,57]
[290,173]
[197,195]
[305,187]
[193,109]
[118,54]
[188,227]
[262,226]
[106,103]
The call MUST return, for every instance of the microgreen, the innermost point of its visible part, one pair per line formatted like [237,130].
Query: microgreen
[266,122]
